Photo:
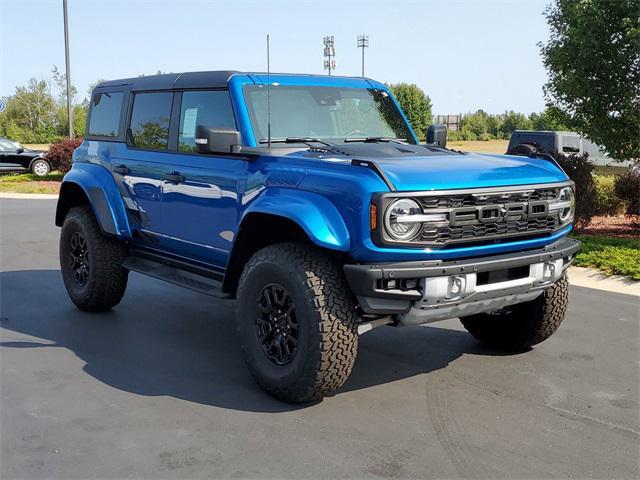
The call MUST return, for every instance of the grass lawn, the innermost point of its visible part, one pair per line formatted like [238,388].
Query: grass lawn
[479,146]
[30,183]
[615,256]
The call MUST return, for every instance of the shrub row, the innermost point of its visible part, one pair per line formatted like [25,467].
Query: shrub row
[601,194]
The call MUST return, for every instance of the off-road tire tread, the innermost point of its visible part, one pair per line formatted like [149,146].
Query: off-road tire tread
[527,324]
[109,280]
[329,366]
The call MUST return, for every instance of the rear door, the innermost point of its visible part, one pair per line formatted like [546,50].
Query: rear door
[139,167]
[200,199]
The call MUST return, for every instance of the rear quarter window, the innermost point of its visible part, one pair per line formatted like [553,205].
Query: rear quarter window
[105,114]
[150,119]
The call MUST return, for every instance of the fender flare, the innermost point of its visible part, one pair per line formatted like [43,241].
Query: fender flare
[315,214]
[99,187]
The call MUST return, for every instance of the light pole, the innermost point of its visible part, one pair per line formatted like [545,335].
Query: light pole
[329,53]
[68,68]
[363,42]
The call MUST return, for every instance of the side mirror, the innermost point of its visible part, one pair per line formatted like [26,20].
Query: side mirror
[20,150]
[437,135]
[217,140]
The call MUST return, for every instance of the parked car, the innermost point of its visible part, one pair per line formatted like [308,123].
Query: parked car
[15,158]
[309,200]
[527,142]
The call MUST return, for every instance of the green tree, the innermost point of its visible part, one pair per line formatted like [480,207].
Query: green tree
[514,121]
[475,123]
[416,105]
[30,113]
[549,119]
[593,62]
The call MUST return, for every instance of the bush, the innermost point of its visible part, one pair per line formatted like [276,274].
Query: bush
[617,256]
[580,171]
[59,155]
[485,137]
[627,187]
[607,202]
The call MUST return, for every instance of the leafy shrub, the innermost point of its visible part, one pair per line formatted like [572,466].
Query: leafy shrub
[608,203]
[617,256]
[59,155]
[580,171]
[485,137]
[627,187]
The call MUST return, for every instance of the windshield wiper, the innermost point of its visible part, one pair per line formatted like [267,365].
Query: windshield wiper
[306,140]
[373,139]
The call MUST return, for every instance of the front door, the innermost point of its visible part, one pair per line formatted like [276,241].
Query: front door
[200,193]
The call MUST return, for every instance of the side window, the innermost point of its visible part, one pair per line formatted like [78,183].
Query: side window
[570,144]
[6,146]
[208,108]
[105,114]
[150,120]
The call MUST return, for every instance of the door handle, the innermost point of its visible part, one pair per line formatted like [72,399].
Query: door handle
[174,177]
[121,169]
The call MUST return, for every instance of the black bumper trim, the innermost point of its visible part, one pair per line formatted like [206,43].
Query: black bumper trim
[363,278]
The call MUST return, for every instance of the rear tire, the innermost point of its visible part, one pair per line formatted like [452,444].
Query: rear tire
[521,326]
[295,299]
[91,263]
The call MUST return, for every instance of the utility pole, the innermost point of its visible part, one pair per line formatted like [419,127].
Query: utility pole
[68,68]
[329,53]
[363,42]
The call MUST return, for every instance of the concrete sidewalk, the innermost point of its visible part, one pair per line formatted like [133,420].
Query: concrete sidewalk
[590,278]
[28,196]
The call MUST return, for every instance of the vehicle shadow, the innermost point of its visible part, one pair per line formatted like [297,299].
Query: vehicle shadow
[163,340]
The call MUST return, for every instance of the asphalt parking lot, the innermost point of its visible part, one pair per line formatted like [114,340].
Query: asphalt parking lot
[157,388]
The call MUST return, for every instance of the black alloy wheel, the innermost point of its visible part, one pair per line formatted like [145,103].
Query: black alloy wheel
[276,325]
[79,259]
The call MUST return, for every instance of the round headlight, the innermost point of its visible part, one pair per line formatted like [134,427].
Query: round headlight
[398,221]
[568,198]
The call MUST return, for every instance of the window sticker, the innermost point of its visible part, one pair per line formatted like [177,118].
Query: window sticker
[189,124]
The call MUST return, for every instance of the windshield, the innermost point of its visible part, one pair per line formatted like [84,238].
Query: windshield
[327,113]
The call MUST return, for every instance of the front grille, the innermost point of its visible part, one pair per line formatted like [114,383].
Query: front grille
[478,216]
[483,231]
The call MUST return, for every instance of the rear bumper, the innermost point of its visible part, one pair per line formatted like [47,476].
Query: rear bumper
[419,292]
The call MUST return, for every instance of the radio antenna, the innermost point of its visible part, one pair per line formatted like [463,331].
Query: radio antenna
[268,96]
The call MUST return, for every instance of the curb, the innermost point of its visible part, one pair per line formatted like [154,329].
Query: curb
[29,196]
[589,278]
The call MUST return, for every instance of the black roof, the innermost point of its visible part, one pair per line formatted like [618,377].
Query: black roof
[216,79]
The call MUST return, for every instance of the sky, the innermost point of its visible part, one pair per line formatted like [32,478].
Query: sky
[464,54]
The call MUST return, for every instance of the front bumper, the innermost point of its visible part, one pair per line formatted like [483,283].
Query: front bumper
[426,291]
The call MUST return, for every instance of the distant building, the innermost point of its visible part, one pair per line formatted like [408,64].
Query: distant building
[452,122]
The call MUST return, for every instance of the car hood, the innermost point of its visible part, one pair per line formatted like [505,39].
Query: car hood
[427,167]
[467,171]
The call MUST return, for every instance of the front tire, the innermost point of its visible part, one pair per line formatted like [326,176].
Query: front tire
[91,263]
[296,322]
[40,167]
[521,326]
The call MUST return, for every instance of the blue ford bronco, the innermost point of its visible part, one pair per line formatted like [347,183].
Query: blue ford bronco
[310,201]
